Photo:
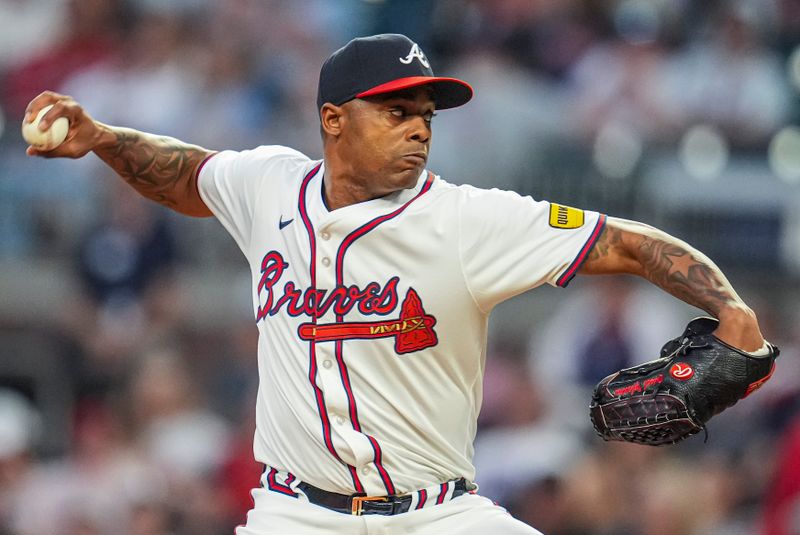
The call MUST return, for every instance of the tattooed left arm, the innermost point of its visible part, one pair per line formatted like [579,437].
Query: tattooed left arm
[678,268]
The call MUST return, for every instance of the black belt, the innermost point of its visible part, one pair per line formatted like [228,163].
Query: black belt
[361,504]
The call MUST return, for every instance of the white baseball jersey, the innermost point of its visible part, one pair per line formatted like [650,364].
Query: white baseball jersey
[372,318]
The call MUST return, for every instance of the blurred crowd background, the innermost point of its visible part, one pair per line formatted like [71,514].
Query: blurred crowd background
[127,346]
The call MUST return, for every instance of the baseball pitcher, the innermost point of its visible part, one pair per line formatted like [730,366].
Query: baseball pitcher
[372,283]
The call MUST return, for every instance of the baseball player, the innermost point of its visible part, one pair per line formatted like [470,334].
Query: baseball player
[372,283]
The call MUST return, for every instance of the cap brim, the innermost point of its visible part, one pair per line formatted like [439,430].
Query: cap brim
[448,92]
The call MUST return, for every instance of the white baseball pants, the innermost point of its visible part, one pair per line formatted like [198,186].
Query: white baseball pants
[470,514]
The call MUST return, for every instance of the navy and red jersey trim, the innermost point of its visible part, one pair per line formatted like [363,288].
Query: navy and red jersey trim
[312,368]
[443,488]
[423,497]
[572,270]
[273,485]
[203,164]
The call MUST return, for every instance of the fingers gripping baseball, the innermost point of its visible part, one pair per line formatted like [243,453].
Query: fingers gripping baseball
[83,132]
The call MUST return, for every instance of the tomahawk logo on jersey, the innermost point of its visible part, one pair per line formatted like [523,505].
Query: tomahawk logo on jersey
[412,331]
[370,350]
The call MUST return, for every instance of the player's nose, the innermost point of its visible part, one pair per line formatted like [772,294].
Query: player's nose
[419,130]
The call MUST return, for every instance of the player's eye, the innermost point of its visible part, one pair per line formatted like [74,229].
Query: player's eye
[429,117]
[398,112]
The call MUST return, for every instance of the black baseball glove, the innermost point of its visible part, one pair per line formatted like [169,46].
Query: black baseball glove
[666,400]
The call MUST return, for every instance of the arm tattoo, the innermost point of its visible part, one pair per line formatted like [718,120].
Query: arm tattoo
[610,237]
[158,167]
[674,266]
[685,273]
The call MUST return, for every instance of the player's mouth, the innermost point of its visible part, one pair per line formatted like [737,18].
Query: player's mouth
[417,158]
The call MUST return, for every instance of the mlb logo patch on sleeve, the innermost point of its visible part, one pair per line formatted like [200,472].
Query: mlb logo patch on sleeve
[565,216]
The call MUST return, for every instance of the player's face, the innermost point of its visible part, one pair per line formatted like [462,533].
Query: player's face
[388,138]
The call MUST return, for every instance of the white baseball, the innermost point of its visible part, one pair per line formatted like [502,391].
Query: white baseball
[48,139]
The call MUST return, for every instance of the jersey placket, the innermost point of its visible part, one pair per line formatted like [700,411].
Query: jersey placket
[353,447]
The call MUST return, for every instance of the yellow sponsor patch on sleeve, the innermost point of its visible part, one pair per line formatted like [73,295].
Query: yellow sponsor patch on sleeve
[565,216]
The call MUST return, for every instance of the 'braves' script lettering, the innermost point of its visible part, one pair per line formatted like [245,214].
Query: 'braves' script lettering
[313,302]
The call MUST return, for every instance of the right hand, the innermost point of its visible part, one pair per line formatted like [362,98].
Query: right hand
[84,132]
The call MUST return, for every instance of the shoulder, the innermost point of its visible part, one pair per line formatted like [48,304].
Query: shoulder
[266,160]
[272,154]
[471,195]
[278,151]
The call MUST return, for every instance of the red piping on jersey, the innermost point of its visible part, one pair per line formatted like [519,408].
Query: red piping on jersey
[442,493]
[346,243]
[567,276]
[312,369]
[423,497]
[274,486]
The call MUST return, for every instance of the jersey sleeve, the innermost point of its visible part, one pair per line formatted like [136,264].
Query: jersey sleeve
[510,243]
[230,183]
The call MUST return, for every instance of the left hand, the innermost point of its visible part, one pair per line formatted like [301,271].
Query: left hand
[738,327]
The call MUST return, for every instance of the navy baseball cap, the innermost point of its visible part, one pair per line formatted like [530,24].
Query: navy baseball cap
[382,64]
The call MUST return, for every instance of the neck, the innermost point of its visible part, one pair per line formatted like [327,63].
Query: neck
[345,185]
[340,192]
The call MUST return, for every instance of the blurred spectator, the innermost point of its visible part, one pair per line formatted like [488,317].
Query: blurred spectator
[232,382]
[129,298]
[782,504]
[520,443]
[186,440]
[788,22]
[732,80]
[599,488]
[150,75]
[179,433]
[625,83]
[19,427]
[519,113]
[88,35]
[594,331]
[239,473]
[27,28]
[94,489]
[129,249]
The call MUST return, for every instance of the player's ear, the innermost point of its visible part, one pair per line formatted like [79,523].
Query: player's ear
[331,119]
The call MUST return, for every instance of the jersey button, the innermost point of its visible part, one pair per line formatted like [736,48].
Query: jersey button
[365,471]
[325,236]
[327,364]
[326,261]
[339,420]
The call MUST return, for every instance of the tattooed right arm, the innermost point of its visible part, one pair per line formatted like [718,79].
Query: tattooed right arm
[161,168]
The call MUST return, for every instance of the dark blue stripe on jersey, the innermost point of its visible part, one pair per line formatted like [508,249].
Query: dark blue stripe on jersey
[567,276]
